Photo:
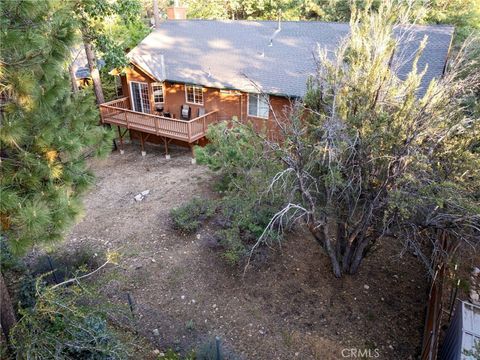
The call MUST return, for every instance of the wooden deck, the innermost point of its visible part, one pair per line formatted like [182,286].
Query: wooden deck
[116,112]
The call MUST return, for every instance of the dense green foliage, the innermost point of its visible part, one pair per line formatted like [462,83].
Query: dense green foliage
[464,14]
[46,133]
[325,10]
[243,9]
[66,323]
[238,153]
[117,30]
[243,212]
[110,26]
[234,152]
[189,217]
[8,260]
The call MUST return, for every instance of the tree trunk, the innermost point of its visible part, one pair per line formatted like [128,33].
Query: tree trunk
[358,256]
[73,79]
[341,245]
[95,75]
[347,255]
[156,16]
[333,258]
[7,314]
[322,237]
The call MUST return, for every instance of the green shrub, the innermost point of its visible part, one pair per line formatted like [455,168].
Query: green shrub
[7,260]
[244,221]
[189,217]
[231,241]
[67,322]
[172,355]
[246,166]
[27,292]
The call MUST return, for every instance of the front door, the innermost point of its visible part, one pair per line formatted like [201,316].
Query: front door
[140,98]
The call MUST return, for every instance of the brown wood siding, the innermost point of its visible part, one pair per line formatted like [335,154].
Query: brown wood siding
[229,105]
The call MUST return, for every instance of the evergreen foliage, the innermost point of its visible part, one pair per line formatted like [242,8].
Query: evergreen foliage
[237,152]
[189,217]
[464,14]
[245,165]
[46,133]
[66,323]
[111,27]
[108,28]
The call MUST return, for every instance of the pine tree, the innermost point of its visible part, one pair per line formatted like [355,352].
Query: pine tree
[46,132]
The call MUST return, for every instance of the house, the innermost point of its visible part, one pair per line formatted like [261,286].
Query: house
[462,337]
[189,73]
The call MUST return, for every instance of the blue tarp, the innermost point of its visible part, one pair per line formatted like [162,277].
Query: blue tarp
[84,72]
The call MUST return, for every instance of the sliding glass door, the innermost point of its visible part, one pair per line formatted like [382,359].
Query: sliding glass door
[140,98]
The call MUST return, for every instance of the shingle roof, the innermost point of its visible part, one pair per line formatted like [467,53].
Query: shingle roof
[233,54]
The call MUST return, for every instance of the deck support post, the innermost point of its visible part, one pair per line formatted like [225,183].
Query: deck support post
[194,161]
[142,143]
[165,142]
[122,151]
[142,140]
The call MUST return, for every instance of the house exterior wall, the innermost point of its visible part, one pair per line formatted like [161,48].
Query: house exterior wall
[229,104]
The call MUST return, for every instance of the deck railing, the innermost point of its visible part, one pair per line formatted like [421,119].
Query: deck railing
[116,112]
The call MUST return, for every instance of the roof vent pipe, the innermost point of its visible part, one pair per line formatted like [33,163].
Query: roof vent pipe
[279,28]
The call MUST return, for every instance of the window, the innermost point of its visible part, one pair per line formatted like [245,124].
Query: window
[194,94]
[258,105]
[157,90]
[139,91]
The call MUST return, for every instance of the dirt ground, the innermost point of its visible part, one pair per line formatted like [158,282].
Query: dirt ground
[289,307]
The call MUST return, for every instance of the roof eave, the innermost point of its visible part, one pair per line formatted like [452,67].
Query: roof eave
[148,73]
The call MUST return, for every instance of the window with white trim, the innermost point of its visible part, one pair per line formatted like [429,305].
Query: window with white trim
[157,90]
[258,105]
[194,94]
